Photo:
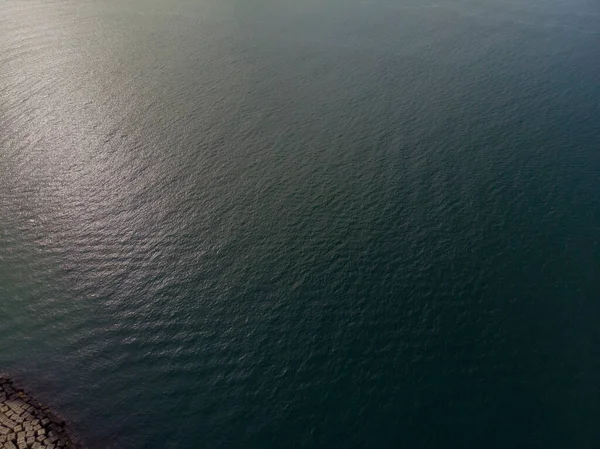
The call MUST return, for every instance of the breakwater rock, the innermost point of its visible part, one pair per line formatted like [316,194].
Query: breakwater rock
[27,424]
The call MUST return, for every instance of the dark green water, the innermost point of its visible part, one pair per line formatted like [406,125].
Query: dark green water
[304,224]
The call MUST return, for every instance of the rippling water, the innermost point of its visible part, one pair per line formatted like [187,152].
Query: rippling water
[271,224]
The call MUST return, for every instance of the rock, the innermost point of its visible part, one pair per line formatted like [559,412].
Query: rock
[7,422]
[27,424]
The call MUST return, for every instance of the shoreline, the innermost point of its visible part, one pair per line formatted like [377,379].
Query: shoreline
[26,423]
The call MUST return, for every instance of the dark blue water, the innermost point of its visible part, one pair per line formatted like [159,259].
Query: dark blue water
[309,224]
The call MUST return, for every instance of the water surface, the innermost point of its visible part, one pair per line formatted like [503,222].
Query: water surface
[279,224]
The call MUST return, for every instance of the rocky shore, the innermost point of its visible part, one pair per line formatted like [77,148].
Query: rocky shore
[27,424]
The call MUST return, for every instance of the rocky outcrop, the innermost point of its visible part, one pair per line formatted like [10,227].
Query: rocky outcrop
[27,424]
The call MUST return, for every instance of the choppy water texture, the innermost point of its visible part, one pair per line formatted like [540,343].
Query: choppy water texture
[304,224]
